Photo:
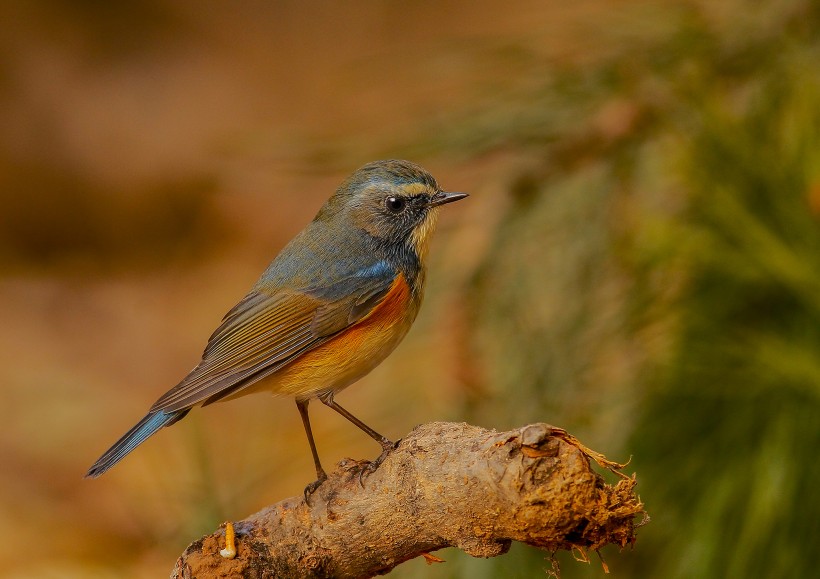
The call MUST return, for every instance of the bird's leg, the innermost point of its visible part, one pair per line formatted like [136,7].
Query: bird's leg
[386,444]
[321,475]
[327,399]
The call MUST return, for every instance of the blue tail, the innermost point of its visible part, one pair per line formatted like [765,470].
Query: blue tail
[152,422]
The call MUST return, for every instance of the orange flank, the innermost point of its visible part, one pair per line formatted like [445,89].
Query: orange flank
[352,353]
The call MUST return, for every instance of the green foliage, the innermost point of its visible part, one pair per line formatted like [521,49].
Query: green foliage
[655,284]
[728,437]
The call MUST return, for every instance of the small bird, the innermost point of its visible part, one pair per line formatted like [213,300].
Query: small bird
[331,307]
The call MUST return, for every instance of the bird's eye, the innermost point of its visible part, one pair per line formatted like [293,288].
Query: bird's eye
[395,204]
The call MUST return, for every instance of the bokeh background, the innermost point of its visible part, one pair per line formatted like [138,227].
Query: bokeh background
[639,261]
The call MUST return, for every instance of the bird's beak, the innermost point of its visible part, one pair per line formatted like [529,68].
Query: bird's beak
[443,197]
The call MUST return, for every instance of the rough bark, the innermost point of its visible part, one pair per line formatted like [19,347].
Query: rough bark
[444,485]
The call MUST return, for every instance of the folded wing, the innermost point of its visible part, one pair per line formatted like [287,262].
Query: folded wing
[266,331]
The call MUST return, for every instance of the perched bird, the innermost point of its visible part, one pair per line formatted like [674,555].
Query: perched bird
[333,304]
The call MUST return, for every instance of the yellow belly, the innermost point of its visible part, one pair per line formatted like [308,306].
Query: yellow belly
[350,354]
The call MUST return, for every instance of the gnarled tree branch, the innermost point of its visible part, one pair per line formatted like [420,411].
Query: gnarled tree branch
[444,485]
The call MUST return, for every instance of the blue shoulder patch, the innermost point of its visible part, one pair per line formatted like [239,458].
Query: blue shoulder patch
[379,269]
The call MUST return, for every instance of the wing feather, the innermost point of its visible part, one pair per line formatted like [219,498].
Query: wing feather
[266,331]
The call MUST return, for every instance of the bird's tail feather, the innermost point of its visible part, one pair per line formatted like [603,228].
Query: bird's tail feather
[152,422]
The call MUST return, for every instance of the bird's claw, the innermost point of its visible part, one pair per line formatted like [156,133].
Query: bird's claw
[372,465]
[311,488]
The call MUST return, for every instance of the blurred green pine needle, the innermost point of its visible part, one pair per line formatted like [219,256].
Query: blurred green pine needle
[665,247]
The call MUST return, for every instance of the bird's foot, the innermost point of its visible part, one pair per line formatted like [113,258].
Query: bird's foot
[311,488]
[371,466]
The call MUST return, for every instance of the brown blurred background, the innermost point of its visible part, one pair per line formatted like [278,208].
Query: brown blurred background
[639,261]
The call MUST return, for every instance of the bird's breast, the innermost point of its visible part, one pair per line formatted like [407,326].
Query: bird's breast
[354,351]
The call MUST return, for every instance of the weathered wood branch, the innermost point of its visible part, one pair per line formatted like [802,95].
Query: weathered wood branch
[444,485]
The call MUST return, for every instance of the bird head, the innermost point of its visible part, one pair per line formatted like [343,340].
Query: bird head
[395,202]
